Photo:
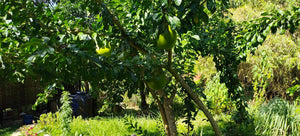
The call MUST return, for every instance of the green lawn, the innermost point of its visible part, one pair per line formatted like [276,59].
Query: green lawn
[7,131]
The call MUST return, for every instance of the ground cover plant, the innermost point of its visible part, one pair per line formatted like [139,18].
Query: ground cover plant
[7,131]
[149,48]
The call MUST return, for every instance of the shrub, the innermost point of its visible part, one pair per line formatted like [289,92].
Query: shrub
[217,96]
[56,123]
[273,69]
[208,79]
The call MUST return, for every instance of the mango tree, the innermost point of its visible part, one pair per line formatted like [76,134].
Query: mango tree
[127,45]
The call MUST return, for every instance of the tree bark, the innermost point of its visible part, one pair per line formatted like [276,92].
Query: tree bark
[166,111]
[144,105]
[195,98]
[86,86]
[161,111]
[170,117]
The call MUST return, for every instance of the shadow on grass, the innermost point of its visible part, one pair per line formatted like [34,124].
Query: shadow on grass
[7,131]
[227,128]
[131,112]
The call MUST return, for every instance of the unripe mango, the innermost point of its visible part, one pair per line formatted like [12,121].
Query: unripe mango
[158,80]
[104,51]
[167,40]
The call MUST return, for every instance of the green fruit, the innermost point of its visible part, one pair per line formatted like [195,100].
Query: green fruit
[167,40]
[158,80]
[104,51]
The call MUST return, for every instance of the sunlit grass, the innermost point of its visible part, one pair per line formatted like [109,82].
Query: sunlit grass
[104,126]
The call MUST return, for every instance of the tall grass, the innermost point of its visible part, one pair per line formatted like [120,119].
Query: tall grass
[279,117]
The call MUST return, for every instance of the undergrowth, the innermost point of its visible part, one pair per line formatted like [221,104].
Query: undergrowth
[278,117]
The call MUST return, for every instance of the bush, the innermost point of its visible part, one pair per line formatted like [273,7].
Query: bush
[208,79]
[217,96]
[55,123]
[273,69]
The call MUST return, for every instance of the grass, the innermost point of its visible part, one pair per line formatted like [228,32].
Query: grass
[109,126]
[278,117]
[116,125]
[104,126]
[7,131]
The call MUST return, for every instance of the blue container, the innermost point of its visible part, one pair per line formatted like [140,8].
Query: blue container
[82,104]
[27,119]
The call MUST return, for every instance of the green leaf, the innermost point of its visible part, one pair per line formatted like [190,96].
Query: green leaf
[178,2]
[211,6]
[61,37]
[30,60]
[254,38]
[174,21]
[260,39]
[267,31]
[265,13]
[81,36]
[282,30]
[2,64]
[164,2]
[248,36]
[196,37]
[50,50]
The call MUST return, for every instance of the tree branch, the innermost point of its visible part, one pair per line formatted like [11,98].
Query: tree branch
[169,58]
[202,2]
[195,98]
[160,107]
[173,94]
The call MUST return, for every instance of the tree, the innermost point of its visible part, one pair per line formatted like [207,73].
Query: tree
[59,41]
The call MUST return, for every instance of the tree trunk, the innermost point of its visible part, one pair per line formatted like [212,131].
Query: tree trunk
[86,86]
[144,105]
[166,113]
[170,117]
[195,98]
[161,111]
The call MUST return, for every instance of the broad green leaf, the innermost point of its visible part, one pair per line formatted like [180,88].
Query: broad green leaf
[50,50]
[248,36]
[164,2]
[61,37]
[178,2]
[267,31]
[196,37]
[174,21]
[30,60]
[82,36]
